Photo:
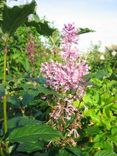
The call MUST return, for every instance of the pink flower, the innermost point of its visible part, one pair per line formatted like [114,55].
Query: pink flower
[31,49]
[64,77]
[69,34]
[69,38]
[69,75]
[74,133]
[69,54]
[70,110]
[56,112]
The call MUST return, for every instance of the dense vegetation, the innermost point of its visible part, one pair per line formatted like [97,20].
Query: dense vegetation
[53,101]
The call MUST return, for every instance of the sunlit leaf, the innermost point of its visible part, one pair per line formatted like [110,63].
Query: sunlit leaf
[34,133]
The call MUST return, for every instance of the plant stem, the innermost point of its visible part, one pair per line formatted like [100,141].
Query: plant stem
[1,152]
[4,82]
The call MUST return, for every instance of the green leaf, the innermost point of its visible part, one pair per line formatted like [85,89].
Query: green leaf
[100,74]
[1,9]
[13,100]
[95,116]
[104,144]
[114,131]
[21,121]
[107,110]
[16,16]
[40,80]
[34,133]
[30,147]
[105,153]
[93,130]
[96,82]
[99,137]
[26,64]
[113,138]
[27,98]
[41,154]
[113,135]
[63,152]
[42,26]
[92,98]
[2,90]
[84,30]
[46,91]
[75,150]
[107,146]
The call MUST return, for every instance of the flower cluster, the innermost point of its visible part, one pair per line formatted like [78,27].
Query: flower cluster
[64,77]
[69,75]
[69,40]
[31,49]
[69,35]
[64,112]
[69,110]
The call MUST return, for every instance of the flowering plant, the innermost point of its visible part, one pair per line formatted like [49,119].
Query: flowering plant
[67,79]
[68,75]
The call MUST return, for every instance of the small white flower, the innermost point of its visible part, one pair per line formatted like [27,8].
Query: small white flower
[114,53]
[74,132]
[102,57]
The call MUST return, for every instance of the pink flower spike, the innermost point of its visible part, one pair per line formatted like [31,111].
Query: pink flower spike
[69,75]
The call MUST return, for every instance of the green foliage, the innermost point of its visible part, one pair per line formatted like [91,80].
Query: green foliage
[2,90]
[85,30]
[42,26]
[31,137]
[33,133]
[30,147]
[101,60]
[16,16]
[2,2]
[30,101]
[63,152]
[100,111]
[20,121]
[105,153]
[69,151]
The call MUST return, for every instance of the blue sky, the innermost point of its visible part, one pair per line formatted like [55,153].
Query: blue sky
[100,15]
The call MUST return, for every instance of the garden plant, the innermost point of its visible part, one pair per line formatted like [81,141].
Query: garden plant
[53,100]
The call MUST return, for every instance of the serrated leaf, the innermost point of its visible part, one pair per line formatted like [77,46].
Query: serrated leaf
[84,30]
[42,26]
[34,133]
[105,153]
[16,16]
